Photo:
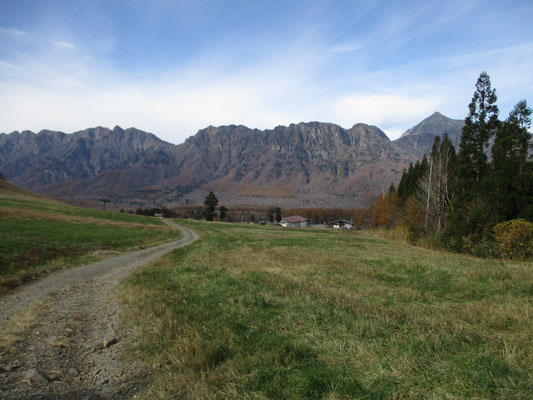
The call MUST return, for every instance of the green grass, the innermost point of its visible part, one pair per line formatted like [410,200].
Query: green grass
[267,313]
[64,209]
[39,235]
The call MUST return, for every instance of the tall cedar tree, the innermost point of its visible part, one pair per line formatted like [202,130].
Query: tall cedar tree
[210,204]
[409,182]
[480,126]
[469,211]
[511,177]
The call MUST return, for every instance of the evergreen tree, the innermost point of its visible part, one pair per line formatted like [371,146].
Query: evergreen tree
[270,216]
[511,177]
[469,214]
[480,126]
[223,212]
[409,182]
[210,204]
[403,188]
[274,214]
[277,212]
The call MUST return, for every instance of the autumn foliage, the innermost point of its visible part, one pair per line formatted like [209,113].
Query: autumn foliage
[515,239]
[470,202]
[386,210]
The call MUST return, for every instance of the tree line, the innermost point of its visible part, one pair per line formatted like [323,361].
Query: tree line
[463,200]
[274,214]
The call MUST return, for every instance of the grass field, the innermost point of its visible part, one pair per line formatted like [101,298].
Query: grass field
[254,312]
[39,235]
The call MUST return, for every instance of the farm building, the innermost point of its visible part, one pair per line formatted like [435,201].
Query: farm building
[296,221]
[341,224]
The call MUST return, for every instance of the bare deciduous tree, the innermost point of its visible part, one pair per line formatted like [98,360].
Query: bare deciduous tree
[434,187]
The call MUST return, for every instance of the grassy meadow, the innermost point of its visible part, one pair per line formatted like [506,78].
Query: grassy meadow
[252,312]
[39,235]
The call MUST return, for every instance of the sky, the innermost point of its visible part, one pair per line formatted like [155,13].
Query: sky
[174,67]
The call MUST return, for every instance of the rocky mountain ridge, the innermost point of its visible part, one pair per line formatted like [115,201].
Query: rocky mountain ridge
[310,164]
[36,161]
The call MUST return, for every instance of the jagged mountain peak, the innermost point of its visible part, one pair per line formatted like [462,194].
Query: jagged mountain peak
[310,164]
[419,139]
[435,124]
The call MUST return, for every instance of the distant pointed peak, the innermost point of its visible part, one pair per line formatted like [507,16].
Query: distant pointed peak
[435,122]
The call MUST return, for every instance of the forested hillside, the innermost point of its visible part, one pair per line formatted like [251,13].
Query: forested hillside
[477,199]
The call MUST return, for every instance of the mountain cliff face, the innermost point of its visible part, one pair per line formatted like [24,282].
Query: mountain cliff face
[36,161]
[308,164]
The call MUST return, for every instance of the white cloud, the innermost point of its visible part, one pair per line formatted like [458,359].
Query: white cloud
[346,48]
[69,91]
[73,95]
[12,31]
[65,45]
[390,112]
[176,106]
[70,96]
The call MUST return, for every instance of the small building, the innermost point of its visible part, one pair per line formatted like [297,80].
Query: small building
[341,224]
[158,215]
[295,221]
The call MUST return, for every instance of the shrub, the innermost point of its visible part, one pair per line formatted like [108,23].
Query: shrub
[515,239]
[484,246]
[434,241]
[415,234]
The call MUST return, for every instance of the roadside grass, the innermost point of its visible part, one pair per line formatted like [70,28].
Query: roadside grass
[252,312]
[39,235]
[17,324]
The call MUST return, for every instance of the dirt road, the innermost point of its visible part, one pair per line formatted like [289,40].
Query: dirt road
[71,348]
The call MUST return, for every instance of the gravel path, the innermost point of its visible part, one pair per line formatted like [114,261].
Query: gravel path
[72,351]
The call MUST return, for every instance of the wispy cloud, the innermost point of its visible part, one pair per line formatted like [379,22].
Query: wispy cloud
[65,45]
[388,111]
[345,48]
[11,31]
[500,53]
[175,69]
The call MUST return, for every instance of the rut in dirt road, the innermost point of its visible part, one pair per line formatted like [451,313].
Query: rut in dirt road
[72,349]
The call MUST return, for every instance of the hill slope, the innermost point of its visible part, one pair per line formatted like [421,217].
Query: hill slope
[39,234]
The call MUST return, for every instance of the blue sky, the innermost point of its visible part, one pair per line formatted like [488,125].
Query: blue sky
[173,67]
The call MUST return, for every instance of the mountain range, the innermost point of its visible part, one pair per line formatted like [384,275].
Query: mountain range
[310,164]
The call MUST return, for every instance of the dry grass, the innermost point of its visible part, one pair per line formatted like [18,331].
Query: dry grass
[14,328]
[39,235]
[9,212]
[253,312]
[10,191]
